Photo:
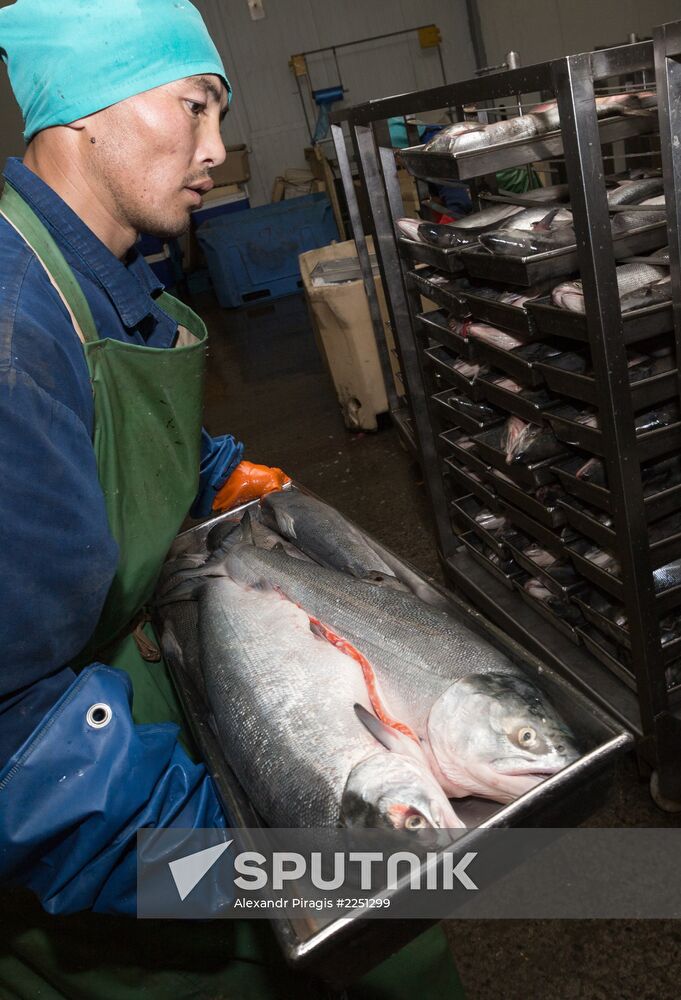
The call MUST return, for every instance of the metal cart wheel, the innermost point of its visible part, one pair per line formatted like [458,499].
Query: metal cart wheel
[667,805]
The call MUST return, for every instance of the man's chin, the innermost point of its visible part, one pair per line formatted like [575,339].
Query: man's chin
[165,230]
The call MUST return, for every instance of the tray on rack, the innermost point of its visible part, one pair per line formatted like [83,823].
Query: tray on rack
[645,392]
[470,482]
[520,362]
[526,271]
[542,608]
[505,572]
[547,514]
[666,547]
[446,367]
[665,599]
[476,162]
[448,407]
[501,314]
[561,579]
[462,448]
[608,653]
[671,649]
[434,325]
[652,444]
[532,476]
[529,404]
[445,259]
[657,502]
[465,512]
[636,325]
[444,292]
[529,526]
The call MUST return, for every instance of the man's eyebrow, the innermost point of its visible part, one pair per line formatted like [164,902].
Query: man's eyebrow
[209,87]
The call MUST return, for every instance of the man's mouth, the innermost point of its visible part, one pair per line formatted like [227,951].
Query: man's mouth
[199,189]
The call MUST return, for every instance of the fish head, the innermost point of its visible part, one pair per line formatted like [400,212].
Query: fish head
[397,792]
[496,735]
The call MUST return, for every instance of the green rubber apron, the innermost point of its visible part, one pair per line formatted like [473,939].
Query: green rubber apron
[147,428]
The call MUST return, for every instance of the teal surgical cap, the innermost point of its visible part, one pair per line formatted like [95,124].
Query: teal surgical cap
[69,58]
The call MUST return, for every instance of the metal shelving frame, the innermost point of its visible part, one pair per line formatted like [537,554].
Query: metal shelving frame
[571,79]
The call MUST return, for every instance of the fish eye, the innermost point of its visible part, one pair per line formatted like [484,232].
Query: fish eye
[415,822]
[527,736]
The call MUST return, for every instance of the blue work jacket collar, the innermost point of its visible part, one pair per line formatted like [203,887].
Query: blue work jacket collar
[130,286]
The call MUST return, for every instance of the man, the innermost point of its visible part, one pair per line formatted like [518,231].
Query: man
[102,457]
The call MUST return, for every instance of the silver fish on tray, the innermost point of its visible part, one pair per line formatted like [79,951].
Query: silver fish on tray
[630,278]
[552,231]
[448,688]
[325,536]
[283,700]
[633,192]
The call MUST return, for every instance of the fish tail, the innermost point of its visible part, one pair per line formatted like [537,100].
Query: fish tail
[324,632]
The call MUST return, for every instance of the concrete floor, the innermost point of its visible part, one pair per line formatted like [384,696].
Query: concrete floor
[267,385]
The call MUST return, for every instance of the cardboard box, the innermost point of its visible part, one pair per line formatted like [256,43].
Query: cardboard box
[342,325]
[235,169]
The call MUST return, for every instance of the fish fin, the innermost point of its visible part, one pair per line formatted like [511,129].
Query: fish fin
[391,738]
[544,225]
[226,531]
[285,524]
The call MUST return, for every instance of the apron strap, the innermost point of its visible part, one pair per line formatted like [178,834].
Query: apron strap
[24,220]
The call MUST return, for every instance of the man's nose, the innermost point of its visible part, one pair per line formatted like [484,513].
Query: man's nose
[212,151]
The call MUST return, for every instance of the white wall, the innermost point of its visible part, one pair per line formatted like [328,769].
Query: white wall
[266,111]
[546,29]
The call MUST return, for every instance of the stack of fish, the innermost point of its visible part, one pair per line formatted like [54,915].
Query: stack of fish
[467,136]
[639,285]
[339,695]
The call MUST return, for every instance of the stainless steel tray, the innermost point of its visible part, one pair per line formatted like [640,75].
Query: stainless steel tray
[549,516]
[461,166]
[480,554]
[653,444]
[636,325]
[434,325]
[424,253]
[447,294]
[657,503]
[463,449]
[645,393]
[529,526]
[531,476]
[342,949]
[540,607]
[464,511]
[443,364]
[671,651]
[529,405]
[518,542]
[665,600]
[500,314]
[466,484]
[446,408]
[526,271]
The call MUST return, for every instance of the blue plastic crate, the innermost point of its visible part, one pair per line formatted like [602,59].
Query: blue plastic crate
[253,255]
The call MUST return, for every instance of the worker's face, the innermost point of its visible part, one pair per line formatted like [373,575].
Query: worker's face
[153,152]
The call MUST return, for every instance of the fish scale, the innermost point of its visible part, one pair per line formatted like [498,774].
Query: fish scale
[261,662]
[422,650]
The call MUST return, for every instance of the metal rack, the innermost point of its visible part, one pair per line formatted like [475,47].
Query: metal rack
[635,692]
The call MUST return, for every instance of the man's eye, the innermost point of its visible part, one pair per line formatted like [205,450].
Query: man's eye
[195,107]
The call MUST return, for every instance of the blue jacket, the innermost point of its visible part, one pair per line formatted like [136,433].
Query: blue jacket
[58,559]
